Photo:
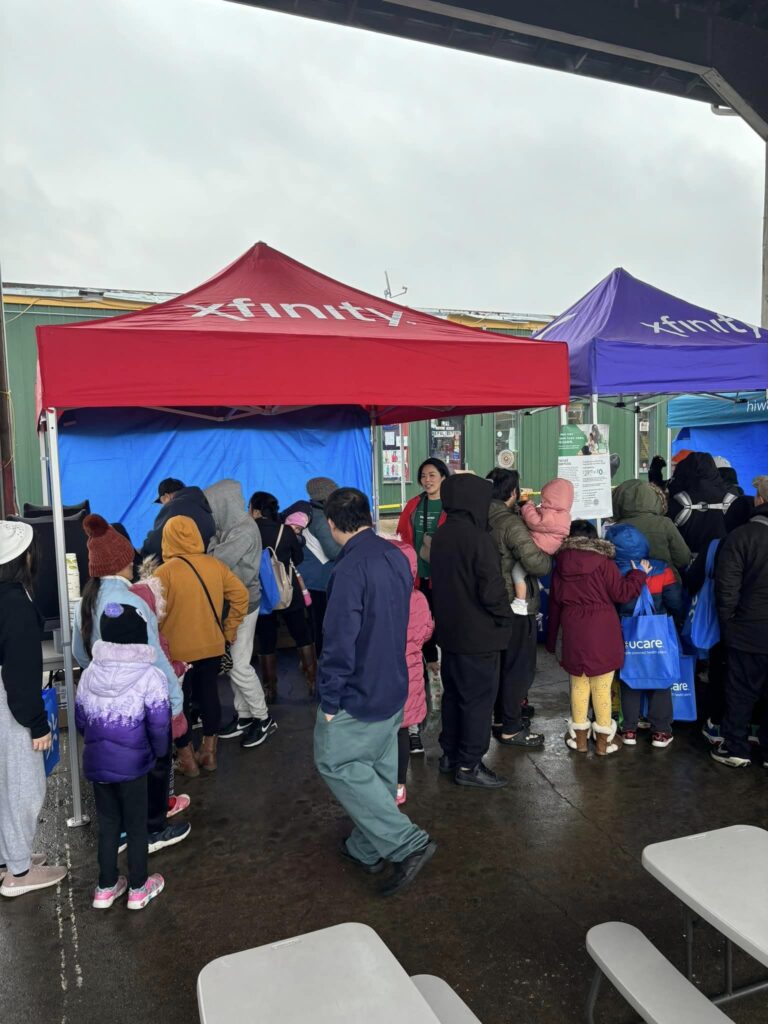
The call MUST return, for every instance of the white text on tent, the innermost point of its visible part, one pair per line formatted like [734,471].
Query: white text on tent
[684,328]
[295,310]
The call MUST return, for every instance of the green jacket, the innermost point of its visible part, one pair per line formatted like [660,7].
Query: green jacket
[516,544]
[637,504]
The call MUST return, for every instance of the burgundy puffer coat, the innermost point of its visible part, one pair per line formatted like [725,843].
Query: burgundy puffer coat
[420,629]
[586,587]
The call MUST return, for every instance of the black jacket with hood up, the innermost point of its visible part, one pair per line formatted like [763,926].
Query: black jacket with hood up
[190,502]
[471,605]
[699,477]
[741,585]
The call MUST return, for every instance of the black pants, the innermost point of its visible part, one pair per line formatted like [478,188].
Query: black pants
[470,682]
[158,790]
[403,754]
[122,807]
[659,708]
[295,619]
[746,683]
[201,687]
[714,699]
[429,650]
[518,670]
[317,611]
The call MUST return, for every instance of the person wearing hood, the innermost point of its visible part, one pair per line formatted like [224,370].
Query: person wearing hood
[636,503]
[586,587]
[699,500]
[25,734]
[284,542]
[123,713]
[728,475]
[320,553]
[237,543]
[667,592]
[518,661]
[177,500]
[196,587]
[473,621]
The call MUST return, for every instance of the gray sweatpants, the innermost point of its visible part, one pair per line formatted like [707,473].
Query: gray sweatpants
[22,790]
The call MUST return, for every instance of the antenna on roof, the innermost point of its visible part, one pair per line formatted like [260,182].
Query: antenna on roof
[388,289]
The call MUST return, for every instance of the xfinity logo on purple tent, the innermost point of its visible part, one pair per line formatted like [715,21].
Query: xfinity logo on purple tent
[687,328]
[246,309]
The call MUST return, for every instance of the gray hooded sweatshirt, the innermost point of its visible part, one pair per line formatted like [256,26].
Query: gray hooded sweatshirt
[237,540]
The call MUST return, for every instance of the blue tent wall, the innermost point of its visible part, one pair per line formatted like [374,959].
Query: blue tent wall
[117,457]
[745,445]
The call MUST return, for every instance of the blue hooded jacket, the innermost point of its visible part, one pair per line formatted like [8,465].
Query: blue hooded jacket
[632,546]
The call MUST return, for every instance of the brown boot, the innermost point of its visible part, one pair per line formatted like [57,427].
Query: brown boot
[308,660]
[606,739]
[268,664]
[206,755]
[577,737]
[186,763]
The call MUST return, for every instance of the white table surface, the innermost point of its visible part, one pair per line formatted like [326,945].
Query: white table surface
[339,975]
[723,877]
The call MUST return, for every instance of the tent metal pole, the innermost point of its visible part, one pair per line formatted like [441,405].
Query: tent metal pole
[764,296]
[669,451]
[45,479]
[636,445]
[375,467]
[563,415]
[403,485]
[593,412]
[78,818]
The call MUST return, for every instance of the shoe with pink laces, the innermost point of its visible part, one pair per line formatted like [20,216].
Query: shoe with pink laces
[139,898]
[661,739]
[177,804]
[630,737]
[401,797]
[104,898]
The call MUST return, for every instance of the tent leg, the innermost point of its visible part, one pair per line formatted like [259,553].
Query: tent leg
[45,462]
[374,469]
[403,491]
[563,415]
[635,439]
[78,818]
[764,309]
[593,413]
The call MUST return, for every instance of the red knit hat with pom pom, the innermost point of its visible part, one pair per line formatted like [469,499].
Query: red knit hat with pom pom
[108,551]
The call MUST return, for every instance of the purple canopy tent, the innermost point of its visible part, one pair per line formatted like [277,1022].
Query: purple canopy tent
[626,337]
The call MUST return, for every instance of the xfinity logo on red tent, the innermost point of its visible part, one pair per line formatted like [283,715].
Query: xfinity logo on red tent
[247,309]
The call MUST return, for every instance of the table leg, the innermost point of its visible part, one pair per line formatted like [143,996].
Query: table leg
[594,991]
[690,921]
[728,967]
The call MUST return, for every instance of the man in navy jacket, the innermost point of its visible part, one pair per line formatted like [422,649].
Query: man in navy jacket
[363,684]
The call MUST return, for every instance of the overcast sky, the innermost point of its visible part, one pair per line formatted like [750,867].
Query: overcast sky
[147,143]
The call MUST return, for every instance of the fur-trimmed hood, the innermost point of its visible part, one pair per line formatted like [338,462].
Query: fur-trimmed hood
[599,547]
[581,556]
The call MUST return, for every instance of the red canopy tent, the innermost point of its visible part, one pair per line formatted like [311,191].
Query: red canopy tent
[269,332]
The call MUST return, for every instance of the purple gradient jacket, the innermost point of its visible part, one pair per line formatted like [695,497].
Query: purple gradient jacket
[123,712]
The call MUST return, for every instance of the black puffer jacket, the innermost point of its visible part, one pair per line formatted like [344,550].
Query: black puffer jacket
[741,585]
[471,605]
[699,478]
[190,502]
[21,659]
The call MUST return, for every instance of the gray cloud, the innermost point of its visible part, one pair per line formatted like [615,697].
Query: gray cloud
[149,144]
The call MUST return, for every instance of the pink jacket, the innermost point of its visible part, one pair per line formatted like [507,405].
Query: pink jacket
[420,628]
[550,522]
[151,591]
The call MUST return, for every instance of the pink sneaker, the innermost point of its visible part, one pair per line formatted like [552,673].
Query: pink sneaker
[139,898]
[401,796]
[104,898]
[177,804]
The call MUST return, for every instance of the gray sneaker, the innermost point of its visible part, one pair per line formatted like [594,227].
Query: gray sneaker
[38,877]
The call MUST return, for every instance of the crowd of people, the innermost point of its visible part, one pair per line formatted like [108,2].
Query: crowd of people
[442,619]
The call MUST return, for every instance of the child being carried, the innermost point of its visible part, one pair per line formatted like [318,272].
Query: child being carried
[549,523]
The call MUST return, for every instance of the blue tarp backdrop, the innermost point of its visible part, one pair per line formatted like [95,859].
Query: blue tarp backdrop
[117,457]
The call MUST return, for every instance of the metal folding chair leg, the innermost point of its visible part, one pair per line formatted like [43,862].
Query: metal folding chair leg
[594,991]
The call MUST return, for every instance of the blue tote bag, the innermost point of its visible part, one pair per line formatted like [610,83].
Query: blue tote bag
[50,703]
[684,691]
[702,627]
[651,647]
[270,592]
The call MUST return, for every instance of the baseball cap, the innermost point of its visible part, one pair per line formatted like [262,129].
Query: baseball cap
[681,456]
[168,486]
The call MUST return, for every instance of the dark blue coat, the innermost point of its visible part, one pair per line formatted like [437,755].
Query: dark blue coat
[363,669]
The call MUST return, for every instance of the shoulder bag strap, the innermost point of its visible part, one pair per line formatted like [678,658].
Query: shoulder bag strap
[207,594]
[425,518]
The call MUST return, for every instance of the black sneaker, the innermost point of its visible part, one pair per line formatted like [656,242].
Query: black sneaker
[169,836]
[259,731]
[371,869]
[405,871]
[446,766]
[236,728]
[524,738]
[414,738]
[481,777]
[722,755]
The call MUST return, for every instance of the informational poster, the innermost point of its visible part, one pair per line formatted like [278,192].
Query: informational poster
[391,454]
[584,459]
[446,441]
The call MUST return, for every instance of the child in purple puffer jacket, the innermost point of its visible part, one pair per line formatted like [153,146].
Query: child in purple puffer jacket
[124,715]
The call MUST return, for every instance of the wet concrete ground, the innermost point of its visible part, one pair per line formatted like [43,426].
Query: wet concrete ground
[501,912]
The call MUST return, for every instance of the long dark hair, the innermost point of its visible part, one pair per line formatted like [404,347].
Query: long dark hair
[266,503]
[21,569]
[88,611]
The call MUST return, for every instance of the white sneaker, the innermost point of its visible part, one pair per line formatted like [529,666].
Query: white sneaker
[139,898]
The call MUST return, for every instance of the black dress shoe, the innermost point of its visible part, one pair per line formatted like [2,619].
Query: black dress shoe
[446,765]
[371,869]
[405,872]
[480,777]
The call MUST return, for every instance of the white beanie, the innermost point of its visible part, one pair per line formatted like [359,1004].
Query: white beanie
[15,538]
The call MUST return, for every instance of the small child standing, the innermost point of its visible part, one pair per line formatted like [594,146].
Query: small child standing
[420,629]
[549,524]
[124,715]
[667,592]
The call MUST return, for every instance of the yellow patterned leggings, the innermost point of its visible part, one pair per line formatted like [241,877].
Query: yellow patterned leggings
[597,687]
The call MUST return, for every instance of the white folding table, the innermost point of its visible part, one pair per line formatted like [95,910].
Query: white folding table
[720,877]
[339,975]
